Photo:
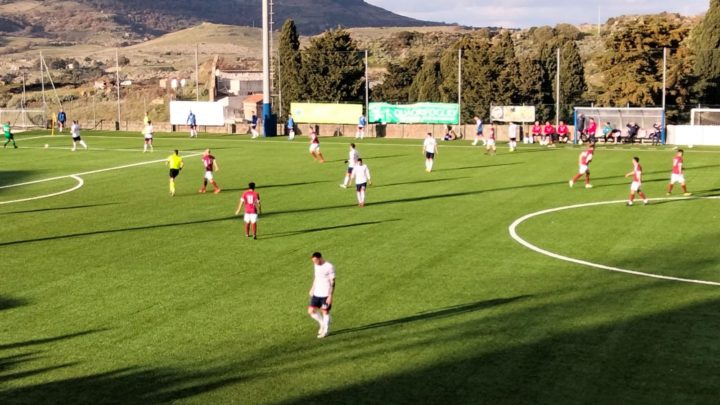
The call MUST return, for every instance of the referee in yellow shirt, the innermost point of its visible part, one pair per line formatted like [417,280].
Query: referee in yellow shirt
[175,163]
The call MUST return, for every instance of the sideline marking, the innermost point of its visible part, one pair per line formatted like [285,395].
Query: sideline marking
[514,235]
[80,183]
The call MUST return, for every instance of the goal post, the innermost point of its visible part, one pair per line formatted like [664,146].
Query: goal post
[650,120]
[705,116]
[24,119]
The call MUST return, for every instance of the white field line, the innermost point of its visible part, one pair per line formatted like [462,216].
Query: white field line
[93,172]
[79,184]
[516,237]
[90,149]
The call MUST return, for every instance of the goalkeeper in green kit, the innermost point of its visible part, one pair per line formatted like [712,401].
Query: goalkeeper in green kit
[8,135]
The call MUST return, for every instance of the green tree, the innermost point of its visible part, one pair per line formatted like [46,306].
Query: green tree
[530,87]
[505,70]
[705,44]
[572,79]
[426,85]
[397,81]
[333,68]
[288,67]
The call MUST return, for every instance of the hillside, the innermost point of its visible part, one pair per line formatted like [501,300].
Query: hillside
[123,22]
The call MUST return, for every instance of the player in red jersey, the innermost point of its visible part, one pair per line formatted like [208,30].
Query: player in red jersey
[251,200]
[563,132]
[211,166]
[536,132]
[584,163]
[677,174]
[549,134]
[315,146]
[637,182]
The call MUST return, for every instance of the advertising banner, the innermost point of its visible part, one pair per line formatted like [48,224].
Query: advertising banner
[420,113]
[513,113]
[322,113]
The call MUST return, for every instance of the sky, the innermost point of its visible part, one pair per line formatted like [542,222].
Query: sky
[529,13]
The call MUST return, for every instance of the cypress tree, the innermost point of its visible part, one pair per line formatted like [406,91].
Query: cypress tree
[426,86]
[288,66]
[706,48]
[333,68]
[397,81]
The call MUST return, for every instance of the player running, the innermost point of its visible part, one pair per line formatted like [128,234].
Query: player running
[251,200]
[75,133]
[175,163]
[512,135]
[291,127]
[478,132]
[362,122]
[210,164]
[148,135]
[9,137]
[315,146]
[321,293]
[192,123]
[253,125]
[353,157]
[361,173]
[677,174]
[430,149]
[584,163]
[636,183]
[490,144]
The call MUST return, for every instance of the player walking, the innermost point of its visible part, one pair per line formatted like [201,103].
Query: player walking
[75,133]
[584,162]
[478,132]
[192,122]
[637,182]
[148,134]
[175,163]
[291,127]
[362,122]
[677,174]
[251,200]
[361,173]
[321,293]
[353,157]
[211,166]
[315,146]
[253,125]
[513,134]
[9,137]
[490,144]
[430,149]
[61,118]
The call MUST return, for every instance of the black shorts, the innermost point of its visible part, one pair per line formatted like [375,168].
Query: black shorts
[78,139]
[350,170]
[361,186]
[429,155]
[174,173]
[320,302]
[193,126]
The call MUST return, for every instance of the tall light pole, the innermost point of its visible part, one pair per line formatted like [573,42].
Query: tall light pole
[269,126]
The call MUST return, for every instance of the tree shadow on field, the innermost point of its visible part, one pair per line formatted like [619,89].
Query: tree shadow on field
[321,229]
[450,169]
[260,187]
[419,182]
[57,208]
[10,303]
[8,178]
[440,313]
[43,341]
[649,358]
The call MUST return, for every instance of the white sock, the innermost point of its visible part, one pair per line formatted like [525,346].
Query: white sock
[145,148]
[359,197]
[317,317]
[325,322]
[362,196]
[83,144]
[430,164]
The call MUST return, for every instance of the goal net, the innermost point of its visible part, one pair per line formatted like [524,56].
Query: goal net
[705,116]
[650,123]
[23,119]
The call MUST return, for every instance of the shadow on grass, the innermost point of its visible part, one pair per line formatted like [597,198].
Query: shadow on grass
[43,341]
[57,208]
[321,229]
[261,187]
[419,182]
[441,313]
[10,303]
[451,169]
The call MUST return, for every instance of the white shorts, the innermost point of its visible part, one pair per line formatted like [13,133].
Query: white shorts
[314,147]
[677,178]
[635,186]
[208,175]
[583,169]
[490,142]
[250,218]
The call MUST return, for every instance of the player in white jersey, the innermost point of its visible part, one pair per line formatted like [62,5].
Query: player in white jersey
[361,173]
[513,135]
[148,134]
[352,160]
[429,150]
[75,133]
[321,293]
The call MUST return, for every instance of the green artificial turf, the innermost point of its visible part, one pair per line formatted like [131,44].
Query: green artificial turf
[118,293]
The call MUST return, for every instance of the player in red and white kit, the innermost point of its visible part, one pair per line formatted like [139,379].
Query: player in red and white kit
[251,200]
[677,174]
[315,146]
[210,164]
[584,162]
[637,182]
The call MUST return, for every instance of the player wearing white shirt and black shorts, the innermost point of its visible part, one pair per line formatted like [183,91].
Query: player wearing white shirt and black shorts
[75,133]
[321,293]
[429,150]
[353,157]
[361,173]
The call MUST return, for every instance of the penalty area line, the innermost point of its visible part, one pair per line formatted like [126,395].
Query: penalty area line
[513,233]
[80,183]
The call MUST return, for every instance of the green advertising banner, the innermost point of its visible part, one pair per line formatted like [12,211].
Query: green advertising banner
[419,113]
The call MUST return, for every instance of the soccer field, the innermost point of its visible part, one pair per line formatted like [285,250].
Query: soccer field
[112,291]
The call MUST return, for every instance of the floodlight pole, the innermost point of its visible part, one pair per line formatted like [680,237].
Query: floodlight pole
[42,79]
[557,90]
[197,74]
[268,127]
[367,85]
[460,52]
[117,81]
[664,92]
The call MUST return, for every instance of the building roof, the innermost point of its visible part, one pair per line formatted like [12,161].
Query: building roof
[254,98]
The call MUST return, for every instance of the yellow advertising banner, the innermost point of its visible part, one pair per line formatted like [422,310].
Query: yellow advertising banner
[322,113]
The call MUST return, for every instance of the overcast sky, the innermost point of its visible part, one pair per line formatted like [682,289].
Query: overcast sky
[528,13]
